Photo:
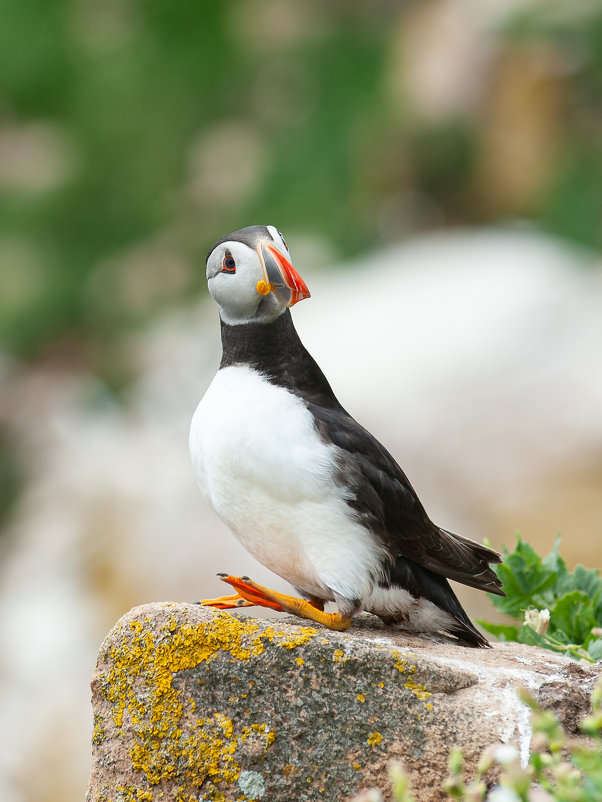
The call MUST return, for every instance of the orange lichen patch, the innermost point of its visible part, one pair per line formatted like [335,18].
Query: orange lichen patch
[155,711]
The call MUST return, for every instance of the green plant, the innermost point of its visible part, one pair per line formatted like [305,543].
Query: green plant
[560,610]
[560,768]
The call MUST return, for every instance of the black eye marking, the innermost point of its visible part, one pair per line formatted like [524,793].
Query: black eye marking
[228,265]
[282,238]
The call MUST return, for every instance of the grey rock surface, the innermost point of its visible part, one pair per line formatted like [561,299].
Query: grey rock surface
[195,704]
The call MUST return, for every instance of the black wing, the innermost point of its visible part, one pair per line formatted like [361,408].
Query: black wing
[385,501]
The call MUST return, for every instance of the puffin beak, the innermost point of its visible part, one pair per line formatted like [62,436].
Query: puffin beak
[279,276]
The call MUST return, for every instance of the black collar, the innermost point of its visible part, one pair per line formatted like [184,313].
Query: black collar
[275,350]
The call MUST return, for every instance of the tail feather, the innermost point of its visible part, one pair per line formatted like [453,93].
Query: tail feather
[484,552]
[422,583]
[470,563]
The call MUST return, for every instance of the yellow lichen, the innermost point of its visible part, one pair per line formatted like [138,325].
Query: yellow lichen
[420,691]
[259,730]
[155,712]
[99,735]
[361,697]
[290,640]
[401,665]
[374,739]
[338,656]
[299,661]
[130,794]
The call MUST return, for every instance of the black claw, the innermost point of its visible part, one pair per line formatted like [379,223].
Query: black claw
[221,574]
[246,578]
[240,603]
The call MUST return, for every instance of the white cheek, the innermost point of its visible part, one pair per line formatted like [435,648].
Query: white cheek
[236,294]
[238,299]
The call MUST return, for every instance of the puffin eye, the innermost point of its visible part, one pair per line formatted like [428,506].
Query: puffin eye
[228,265]
[282,238]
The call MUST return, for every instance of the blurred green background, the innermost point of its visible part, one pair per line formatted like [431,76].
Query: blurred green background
[134,133]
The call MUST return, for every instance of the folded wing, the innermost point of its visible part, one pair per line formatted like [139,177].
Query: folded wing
[384,500]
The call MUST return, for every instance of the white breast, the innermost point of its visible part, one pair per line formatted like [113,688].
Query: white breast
[260,463]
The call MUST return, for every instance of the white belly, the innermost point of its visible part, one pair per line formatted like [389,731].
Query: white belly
[261,465]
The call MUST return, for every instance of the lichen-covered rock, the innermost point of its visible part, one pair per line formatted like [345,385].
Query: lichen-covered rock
[194,704]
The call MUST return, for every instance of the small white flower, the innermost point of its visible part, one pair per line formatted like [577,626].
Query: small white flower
[505,754]
[539,620]
[500,794]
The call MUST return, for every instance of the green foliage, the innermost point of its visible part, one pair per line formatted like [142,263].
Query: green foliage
[134,92]
[560,610]
[560,768]
[12,474]
[566,770]
[128,129]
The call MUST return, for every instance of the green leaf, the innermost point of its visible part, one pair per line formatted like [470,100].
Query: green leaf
[554,561]
[525,579]
[573,599]
[589,581]
[595,649]
[573,615]
[529,636]
[584,579]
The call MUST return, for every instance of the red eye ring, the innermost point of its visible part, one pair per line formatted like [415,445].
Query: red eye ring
[228,265]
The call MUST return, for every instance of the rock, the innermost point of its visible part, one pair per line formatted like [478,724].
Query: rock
[195,704]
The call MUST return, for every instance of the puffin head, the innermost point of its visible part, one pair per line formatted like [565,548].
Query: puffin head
[250,276]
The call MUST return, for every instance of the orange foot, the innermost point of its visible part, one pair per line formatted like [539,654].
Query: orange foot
[250,593]
[226,602]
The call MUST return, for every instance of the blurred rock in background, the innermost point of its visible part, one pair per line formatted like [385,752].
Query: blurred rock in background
[436,168]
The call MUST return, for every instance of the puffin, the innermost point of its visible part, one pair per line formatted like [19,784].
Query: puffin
[303,486]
